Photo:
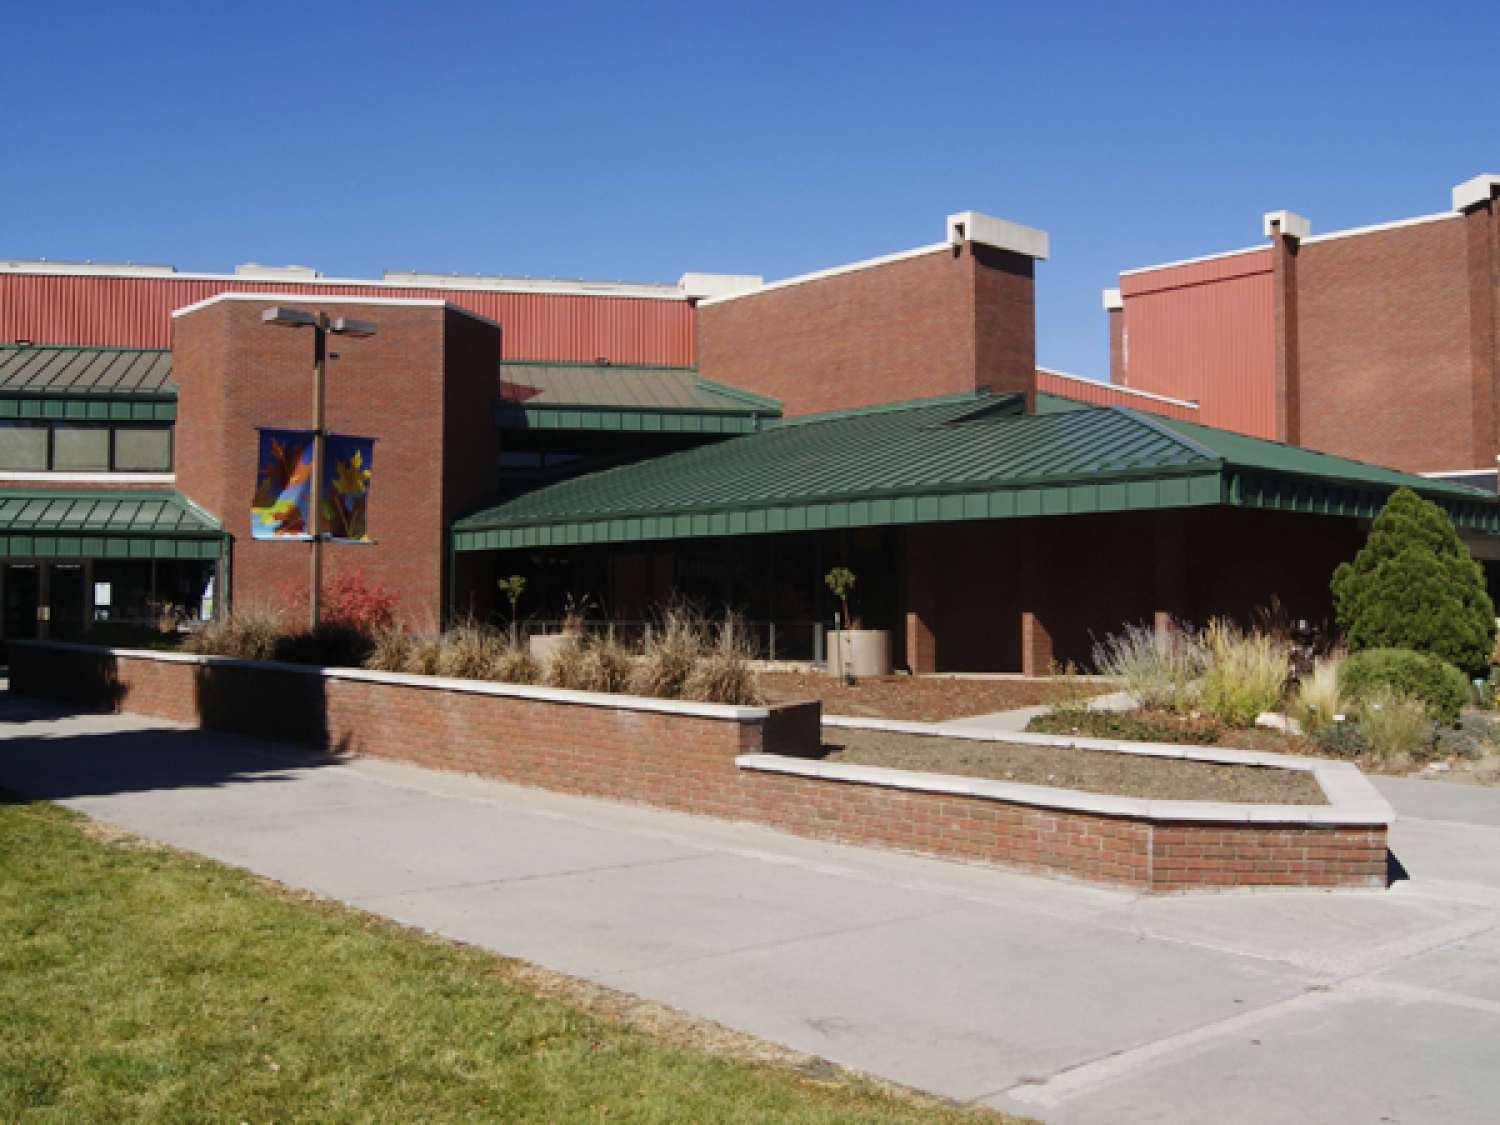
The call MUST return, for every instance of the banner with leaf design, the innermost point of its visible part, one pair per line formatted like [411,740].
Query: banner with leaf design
[347,463]
[283,485]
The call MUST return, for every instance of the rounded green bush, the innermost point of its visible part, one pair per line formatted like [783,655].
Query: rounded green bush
[1415,586]
[1440,686]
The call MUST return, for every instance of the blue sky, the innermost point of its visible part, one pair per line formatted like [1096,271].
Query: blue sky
[639,141]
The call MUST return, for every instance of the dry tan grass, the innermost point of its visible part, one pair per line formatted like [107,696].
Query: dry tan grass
[250,633]
[470,652]
[423,655]
[514,664]
[392,647]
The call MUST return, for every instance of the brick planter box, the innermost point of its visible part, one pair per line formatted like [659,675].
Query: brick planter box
[749,764]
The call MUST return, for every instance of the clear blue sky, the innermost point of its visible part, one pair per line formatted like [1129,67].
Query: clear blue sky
[639,141]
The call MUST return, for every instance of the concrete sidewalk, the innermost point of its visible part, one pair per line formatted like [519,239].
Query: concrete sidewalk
[1067,1003]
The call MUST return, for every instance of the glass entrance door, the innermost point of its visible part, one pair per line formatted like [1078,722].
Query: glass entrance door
[22,593]
[65,595]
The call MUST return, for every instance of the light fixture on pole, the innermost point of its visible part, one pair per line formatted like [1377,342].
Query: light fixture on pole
[321,324]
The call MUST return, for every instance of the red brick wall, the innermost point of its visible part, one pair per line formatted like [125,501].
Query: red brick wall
[427,374]
[687,763]
[1117,346]
[939,323]
[1385,348]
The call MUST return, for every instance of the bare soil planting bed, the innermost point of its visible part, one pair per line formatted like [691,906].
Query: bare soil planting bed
[1069,767]
[923,699]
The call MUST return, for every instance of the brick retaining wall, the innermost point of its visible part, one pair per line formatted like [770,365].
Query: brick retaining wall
[719,761]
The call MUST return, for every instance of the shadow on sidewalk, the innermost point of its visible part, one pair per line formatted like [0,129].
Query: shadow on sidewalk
[41,761]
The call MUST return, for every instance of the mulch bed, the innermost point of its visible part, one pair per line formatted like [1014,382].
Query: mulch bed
[924,699]
[1068,767]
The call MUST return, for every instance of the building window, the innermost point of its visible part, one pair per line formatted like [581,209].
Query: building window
[80,447]
[143,449]
[84,447]
[23,446]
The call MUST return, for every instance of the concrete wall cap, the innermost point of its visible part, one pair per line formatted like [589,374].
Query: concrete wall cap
[1373,811]
[1002,234]
[1292,225]
[1471,193]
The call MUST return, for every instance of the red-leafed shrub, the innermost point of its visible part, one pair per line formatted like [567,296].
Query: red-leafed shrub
[351,602]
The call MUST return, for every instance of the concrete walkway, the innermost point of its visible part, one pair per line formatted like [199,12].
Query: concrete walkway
[1067,1003]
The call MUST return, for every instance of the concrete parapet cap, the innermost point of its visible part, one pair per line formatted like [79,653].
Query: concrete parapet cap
[1352,800]
[1292,225]
[1002,234]
[698,286]
[440,683]
[1471,193]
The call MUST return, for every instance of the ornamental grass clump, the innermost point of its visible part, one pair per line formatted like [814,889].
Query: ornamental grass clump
[392,647]
[1244,676]
[677,643]
[1320,697]
[724,673]
[565,668]
[1396,725]
[423,655]
[607,665]
[469,652]
[514,664]
[1160,669]
[251,633]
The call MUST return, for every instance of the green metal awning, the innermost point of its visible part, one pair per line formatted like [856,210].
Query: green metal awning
[626,398]
[78,383]
[977,457]
[105,524]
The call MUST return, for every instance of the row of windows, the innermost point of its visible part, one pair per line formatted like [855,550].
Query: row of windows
[85,447]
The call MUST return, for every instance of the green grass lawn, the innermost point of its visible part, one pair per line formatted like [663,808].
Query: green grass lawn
[142,984]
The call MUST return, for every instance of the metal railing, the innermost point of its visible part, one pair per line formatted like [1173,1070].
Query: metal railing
[792,641]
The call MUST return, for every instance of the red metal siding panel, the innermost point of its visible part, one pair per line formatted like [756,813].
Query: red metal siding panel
[1102,394]
[1205,332]
[137,312]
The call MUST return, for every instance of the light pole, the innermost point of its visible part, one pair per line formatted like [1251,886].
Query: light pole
[321,324]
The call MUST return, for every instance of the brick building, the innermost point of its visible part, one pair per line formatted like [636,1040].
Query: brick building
[721,437]
[1380,344]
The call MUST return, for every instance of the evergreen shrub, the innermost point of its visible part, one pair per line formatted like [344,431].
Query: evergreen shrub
[1414,586]
[1440,686]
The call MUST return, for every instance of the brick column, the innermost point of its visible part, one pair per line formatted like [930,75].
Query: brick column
[1286,232]
[1114,308]
[1036,640]
[1481,210]
[1036,646]
[919,595]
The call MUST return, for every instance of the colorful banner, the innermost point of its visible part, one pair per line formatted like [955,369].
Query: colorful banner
[283,481]
[347,464]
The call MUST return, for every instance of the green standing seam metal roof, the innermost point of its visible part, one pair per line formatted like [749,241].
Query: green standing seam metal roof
[979,457]
[120,384]
[590,396]
[105,523]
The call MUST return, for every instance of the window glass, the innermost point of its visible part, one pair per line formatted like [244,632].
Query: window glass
[80,448]
[23,445]
[143,449]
